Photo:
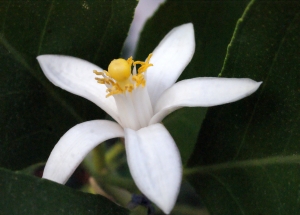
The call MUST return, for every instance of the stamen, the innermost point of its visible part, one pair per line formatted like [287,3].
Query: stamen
[130,61]
[139,79]
[97,73]
[144,65]
[129,87]
[105,81]
[114,90]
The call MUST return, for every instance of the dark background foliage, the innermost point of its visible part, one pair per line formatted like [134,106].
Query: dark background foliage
[35,113]
[245,159]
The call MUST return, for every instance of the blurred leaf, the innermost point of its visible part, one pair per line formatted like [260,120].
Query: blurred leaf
[214,23]
[35,113]
[249,150]
[24,194]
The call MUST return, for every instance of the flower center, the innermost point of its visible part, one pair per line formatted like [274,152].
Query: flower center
[120,76]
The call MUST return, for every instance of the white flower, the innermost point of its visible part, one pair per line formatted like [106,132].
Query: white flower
[152,155]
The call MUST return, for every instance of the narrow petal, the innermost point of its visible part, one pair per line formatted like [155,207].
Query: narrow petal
[142,105]
[155,164]
[203,92]
[76,76]
[74,145]
[169,59]
[127,116]
[135,109]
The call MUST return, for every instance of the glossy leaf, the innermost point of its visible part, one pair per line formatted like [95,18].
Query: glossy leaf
[212,37]
[248,156]
[35,113]
[24,194]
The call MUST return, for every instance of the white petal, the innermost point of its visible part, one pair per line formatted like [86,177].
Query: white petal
[127,115]
[74,145]
[202,92]
[169,59]
[155,164]
[135,109]
[76,76]
[142,105]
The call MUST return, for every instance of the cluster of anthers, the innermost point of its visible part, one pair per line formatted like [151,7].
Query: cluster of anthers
[120,76]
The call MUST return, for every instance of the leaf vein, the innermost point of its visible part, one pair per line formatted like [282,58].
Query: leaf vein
[20,58]
[45,27]
[227,188]
[274,188]
[280,160]
[103,35]
[4,19]
[261,91]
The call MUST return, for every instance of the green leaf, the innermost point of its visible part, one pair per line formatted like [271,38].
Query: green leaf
[212,37]
[24,194]
[249,151]
[35,113]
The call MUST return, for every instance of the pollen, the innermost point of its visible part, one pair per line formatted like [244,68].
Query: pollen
[119,78]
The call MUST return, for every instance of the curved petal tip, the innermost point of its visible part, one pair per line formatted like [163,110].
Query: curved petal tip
[74,145]
[76,76]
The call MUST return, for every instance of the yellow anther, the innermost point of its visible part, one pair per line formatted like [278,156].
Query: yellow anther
[149,57]
[103,73]
[119,69]
[104,81]
[115,89]
[144,65]
[97,73]
[130,61]
[139,79]
[129,87]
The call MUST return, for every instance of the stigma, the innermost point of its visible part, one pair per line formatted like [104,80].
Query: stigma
[122,75]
